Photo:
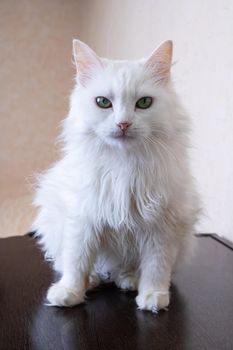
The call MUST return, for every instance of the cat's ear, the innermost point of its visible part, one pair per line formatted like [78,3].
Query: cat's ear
[86,60]
[160,61]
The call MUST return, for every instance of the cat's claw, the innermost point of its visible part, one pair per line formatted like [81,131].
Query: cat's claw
[153,301]
[61,295]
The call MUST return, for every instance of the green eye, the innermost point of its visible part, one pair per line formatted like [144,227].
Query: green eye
[144,102]
[103,102]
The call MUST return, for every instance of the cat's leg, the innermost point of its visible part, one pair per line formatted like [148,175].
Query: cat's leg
[155,273]
[79,248]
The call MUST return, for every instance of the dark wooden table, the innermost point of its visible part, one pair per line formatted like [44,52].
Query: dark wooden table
[200,315]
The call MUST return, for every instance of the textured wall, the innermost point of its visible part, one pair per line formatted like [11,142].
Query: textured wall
[36,78]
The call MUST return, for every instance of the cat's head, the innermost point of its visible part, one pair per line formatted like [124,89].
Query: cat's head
[122,102]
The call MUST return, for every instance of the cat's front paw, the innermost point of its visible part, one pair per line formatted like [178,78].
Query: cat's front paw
[61,295]
[153,300]
[93,282]
[127,282]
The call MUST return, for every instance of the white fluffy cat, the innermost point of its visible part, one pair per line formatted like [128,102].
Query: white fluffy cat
[120,203]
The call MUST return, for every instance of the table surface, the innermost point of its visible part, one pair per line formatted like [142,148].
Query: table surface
[200,315]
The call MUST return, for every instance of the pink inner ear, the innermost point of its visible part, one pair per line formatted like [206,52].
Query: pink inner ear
[160,61]
[86,60]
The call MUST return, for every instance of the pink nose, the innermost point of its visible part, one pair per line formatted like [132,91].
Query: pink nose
[124,126]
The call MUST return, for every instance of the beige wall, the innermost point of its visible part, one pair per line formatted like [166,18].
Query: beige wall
[36,77]
[35,81]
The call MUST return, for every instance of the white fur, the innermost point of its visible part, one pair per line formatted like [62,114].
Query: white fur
[113,208]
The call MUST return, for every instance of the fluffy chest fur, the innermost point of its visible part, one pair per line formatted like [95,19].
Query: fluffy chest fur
[121,191]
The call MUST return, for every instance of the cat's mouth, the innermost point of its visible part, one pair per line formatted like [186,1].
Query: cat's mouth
[121,135]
